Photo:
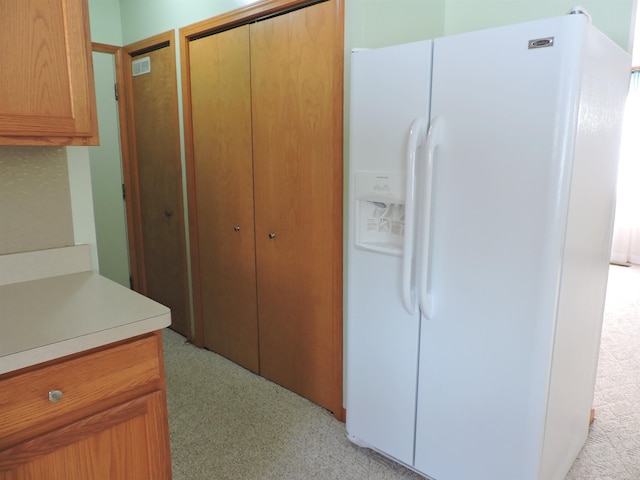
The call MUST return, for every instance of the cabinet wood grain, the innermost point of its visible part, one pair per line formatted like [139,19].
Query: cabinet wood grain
[221,110]
[46,80]
[110,423]
[296,93]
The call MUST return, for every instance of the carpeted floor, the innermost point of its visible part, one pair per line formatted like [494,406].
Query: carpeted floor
[612,450]
[228,424]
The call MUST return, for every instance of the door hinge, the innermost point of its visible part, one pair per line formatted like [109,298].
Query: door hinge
[115,91]
[124,193]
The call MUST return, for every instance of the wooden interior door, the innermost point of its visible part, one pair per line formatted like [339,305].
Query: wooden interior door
[221,117]
[296,86]
[161,246]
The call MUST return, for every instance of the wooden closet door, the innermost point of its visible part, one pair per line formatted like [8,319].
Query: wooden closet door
[296,84]
[221,113]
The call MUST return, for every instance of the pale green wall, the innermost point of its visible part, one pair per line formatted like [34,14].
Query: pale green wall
[144,18]
[106,177]
[369,22]
[376,23]
[104,17]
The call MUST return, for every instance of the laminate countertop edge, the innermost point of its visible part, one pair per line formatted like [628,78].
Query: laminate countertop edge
[49,318]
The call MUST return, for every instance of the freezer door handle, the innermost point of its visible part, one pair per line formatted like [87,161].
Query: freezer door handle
[416,135]
[434,139]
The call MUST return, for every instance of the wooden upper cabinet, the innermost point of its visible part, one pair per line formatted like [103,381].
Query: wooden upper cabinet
[46,79]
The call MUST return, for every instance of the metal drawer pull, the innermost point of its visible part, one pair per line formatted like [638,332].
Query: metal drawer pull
[237,228]
[272,235]
[55,396]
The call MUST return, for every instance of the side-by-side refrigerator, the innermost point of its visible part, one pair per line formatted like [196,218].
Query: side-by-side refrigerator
[481,199]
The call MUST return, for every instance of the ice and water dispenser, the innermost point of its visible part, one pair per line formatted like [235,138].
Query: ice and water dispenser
[379,212]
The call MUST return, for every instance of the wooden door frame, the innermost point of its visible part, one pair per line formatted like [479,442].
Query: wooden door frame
[130,160]
[129,168]
[124,88]
[116,51]
[235,18]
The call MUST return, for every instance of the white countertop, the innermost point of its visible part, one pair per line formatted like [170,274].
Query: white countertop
[48,318]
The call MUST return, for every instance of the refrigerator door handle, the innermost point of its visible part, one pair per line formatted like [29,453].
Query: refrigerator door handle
[434,139]
[416,134]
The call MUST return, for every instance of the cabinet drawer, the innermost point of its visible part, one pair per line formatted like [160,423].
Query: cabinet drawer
[88,384]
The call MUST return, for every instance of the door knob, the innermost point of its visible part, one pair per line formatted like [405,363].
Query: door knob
[272,235]
[55,396]
[236,228]
[168,213]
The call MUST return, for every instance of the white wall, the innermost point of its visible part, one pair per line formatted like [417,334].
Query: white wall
[84,230]
[35,203]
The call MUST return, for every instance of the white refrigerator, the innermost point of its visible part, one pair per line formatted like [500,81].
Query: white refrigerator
[481,199]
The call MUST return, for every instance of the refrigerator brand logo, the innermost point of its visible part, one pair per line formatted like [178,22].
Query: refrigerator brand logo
[541,43]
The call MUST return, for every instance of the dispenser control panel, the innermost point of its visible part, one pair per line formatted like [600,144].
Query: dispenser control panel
[380,211]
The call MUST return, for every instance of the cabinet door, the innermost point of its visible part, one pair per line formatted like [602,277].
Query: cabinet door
[296,86]
[47,80]
[221,113]
[125,442]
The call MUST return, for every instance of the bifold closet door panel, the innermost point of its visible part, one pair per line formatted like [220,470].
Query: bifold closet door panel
[221,113]
[293,92]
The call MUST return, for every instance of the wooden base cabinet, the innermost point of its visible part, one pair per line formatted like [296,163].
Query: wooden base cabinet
[100,416]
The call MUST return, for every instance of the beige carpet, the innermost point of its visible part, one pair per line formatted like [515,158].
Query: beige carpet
[612,450]
[226,423]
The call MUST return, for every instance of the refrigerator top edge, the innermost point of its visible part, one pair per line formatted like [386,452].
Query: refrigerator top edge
[364,50]
[579,18]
